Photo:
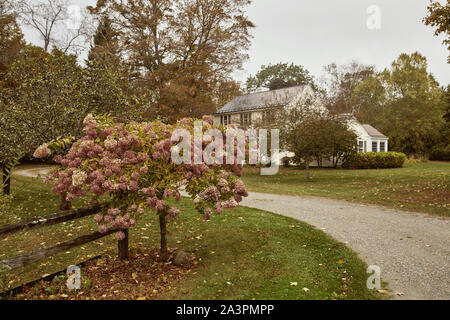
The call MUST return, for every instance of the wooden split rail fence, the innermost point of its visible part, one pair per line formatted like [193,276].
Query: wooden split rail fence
[39,222]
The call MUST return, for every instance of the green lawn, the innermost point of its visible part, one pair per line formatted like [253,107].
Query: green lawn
[423,187]
[242,254]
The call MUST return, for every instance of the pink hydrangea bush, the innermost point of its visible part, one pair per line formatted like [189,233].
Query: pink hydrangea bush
[131,163]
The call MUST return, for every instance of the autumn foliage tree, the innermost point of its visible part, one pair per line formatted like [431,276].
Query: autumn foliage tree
[439,18]
[183,50]
[11,37]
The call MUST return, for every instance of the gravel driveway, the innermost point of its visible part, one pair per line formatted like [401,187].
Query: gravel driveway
[412,249]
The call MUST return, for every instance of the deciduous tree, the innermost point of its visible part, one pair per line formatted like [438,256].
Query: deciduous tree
[278,76]
[339,83]
[50,18]
[182,50]
[311,132]
[404,102]
[439,18]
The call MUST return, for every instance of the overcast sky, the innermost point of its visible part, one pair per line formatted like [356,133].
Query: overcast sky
[314,33]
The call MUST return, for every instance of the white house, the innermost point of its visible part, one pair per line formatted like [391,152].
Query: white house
[369,138]
[262,106]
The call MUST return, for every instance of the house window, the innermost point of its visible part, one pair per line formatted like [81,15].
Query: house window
[225,120]
[374,146]
[360,146]
[267,116]
[382,146]
[246,119]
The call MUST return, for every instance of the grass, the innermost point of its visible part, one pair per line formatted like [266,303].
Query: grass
[423,187]
[242,254]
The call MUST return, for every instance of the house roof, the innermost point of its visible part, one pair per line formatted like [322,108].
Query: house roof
[371,131]
[262,100]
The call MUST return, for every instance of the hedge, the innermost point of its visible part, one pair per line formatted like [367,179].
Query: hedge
[374,160]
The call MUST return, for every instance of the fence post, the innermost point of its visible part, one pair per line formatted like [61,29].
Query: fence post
[123,246]
[6,179]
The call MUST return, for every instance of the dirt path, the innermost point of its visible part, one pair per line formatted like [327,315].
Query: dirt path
[33,172]
[412,249]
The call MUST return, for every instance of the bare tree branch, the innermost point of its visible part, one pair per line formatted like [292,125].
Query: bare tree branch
[50,19]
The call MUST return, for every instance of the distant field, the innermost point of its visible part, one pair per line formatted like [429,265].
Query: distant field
[423,187]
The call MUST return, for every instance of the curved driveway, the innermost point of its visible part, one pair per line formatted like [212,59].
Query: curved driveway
[412,249]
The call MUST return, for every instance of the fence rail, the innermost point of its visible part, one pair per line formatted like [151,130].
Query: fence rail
[49,220]
[60,217]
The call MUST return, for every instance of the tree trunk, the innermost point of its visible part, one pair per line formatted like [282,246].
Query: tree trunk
[162,226]
[122,245]
[65,205]
[6,179]
[308,176]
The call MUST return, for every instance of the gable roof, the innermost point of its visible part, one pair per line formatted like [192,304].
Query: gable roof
[371,131]
[262,100]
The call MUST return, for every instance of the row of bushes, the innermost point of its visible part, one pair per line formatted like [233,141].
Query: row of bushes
[374,160]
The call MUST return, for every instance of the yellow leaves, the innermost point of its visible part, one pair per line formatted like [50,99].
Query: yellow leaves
[141,298]
[341,262]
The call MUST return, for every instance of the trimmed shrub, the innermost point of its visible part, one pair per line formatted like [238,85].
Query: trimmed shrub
[374,160]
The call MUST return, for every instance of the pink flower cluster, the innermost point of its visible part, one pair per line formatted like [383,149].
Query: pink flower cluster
[132,164]
[113,220]
[43,151]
